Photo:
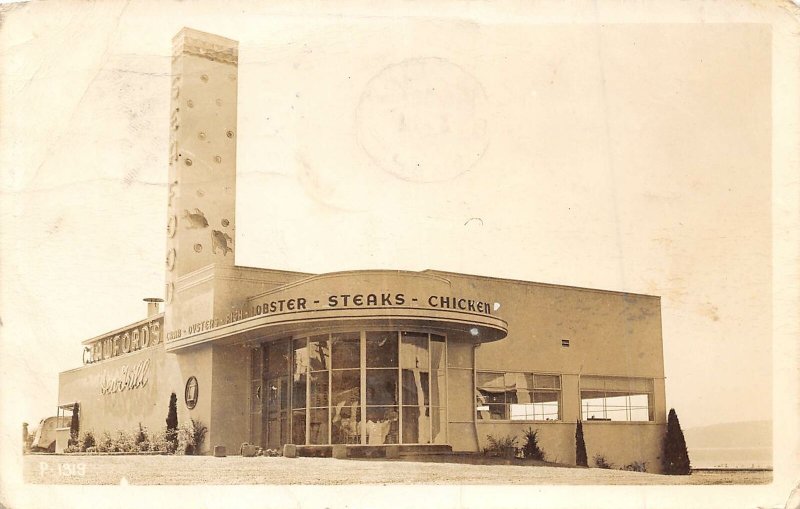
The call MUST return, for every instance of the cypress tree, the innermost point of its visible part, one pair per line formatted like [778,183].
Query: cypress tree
[580,447]
[74,426]
[675,456]
[172,420]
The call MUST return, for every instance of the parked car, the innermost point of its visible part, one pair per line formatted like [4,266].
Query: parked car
[44,439]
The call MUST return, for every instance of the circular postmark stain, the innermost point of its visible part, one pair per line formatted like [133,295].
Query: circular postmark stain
[423,120]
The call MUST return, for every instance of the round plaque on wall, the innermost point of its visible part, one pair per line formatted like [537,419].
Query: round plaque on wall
[191,392]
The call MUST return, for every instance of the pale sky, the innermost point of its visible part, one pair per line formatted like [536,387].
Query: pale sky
[632,157]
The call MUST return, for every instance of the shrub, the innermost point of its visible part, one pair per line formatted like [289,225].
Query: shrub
[124,442]
[501,446]
[580,447]
[190,437]
[143,446]
[141,435]
[636,466]
[87,441]
[72,448]
[200,431]
[271,452]
[185,440]
[159,443]
[531,449]
[172,421]
[106,443]
[601,462]
[675,457]
[74,426]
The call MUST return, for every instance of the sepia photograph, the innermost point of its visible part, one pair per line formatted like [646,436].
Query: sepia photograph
[470,254]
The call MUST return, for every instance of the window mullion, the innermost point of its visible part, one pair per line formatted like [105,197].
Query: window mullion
[399,387]
[362,348]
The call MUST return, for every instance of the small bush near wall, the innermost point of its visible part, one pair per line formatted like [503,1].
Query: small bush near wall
[504,446]
[600,461]
[675,456]
[124,442]
[636,466]
[142,441]
[87,441]
[199,432]
[580,447]
[172,421]
[531,449]
[190,437]
[106,443]
[74,427]
[159,443]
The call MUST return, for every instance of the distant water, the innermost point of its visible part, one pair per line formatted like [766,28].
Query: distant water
[731,457]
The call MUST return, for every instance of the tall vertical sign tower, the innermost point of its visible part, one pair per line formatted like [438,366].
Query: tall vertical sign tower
[202,156]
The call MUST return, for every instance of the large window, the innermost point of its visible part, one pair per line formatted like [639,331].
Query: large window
[515,396]
[373,387]
[616,399]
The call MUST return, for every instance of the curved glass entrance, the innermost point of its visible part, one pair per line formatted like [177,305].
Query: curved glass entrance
[368,387]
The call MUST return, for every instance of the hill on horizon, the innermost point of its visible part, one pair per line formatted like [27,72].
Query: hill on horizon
[730,444]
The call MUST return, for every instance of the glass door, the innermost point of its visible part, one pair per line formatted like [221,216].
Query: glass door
[276,389]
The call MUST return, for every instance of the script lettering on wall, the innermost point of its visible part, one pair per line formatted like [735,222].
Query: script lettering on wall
[126,378]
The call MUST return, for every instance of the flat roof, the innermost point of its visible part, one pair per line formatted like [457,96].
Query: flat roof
[534,283]
[123,328]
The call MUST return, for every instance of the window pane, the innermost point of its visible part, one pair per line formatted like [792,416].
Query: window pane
[414,350]
[416,387]
[592,408]
[381,387]
[489,379]
[299,355]
[255,397]
[438,395]
[640,407]
[299,390]
[299,427]
[346,350]
[459,355]
[319,389]
[523,412]
[416,425]
[319,354]
[491,405]
[547,381]
[620,399]
[546,405]
[318,426]
[345,388]
[490,395]
[382,425]
[616,408]
[277,359]
[437,351]
[524,397]
[439,425]
[592,382]
[277,394]
[346,424]
[381,349]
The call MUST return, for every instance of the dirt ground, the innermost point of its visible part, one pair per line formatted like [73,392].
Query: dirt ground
[171,470]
